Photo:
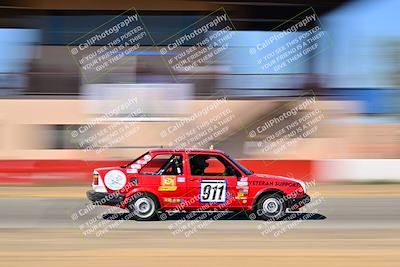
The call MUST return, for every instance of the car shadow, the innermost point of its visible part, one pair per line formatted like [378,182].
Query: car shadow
[215,216]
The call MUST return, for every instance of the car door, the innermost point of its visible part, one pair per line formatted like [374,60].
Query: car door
[209,185]
[166,178]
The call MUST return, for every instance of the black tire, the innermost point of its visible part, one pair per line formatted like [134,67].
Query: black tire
[143,207]
[271,207]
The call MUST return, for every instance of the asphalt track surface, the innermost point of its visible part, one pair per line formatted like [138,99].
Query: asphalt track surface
[336,231]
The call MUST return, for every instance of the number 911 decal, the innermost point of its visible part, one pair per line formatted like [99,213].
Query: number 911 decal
[213,191]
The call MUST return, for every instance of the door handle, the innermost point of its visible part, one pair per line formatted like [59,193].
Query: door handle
[193,179]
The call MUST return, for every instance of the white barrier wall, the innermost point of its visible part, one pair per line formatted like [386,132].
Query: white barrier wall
[357,170]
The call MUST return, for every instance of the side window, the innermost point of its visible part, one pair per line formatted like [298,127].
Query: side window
[164,164]
[211,165]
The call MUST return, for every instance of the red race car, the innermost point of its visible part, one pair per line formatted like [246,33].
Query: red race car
[190,180]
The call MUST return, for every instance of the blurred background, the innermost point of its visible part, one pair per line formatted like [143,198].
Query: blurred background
[45,95]
[299,88]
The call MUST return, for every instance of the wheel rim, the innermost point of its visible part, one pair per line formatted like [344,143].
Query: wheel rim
[144,207]
[272,206]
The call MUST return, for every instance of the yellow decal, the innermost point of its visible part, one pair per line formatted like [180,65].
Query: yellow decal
[173,200]
[168,183]
[167,188]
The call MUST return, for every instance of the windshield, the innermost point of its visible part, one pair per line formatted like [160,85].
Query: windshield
[241,167]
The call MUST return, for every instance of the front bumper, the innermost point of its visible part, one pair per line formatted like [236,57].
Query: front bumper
[100,198]
[296,203]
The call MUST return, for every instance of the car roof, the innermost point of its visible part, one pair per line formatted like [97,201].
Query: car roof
[188,150]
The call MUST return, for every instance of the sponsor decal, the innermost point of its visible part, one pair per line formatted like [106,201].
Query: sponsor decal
[289,184]
[273,183]
[115,179]
[147,157]
[141,161]
[131,170]
[261,183]
[242,187]
[244,184]
[244,191]
[173,200]
[136,166]
[168,183]
[241,196]
[181,179]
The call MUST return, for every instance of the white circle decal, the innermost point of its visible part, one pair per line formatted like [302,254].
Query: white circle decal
[147,158]
[115,179]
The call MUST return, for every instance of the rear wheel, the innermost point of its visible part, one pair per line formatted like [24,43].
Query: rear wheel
[271,207]
[143,207]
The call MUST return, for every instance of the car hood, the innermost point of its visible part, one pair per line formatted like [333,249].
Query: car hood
[276,177]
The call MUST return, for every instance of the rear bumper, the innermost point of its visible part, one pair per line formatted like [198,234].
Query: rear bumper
[298,202]
[100,198]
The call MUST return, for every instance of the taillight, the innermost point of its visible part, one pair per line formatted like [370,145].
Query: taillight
[95,178]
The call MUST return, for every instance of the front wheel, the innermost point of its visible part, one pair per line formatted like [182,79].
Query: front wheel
[271,207]
[142,207]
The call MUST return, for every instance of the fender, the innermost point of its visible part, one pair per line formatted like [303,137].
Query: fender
[138,190]
[264,191]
